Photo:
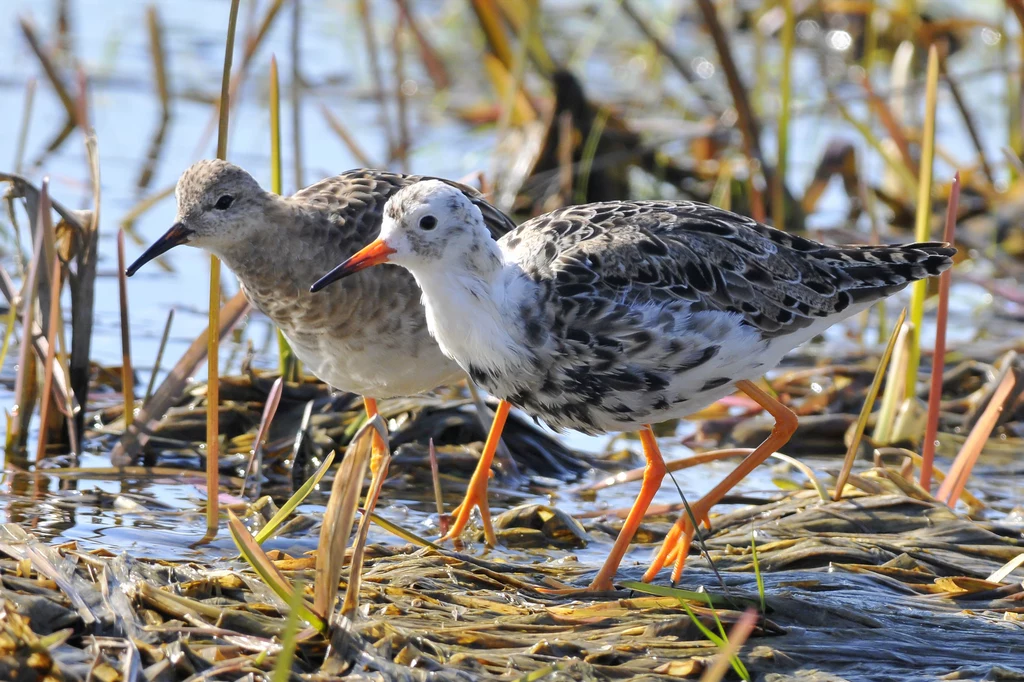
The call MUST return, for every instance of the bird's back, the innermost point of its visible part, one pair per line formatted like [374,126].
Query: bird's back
[652,310]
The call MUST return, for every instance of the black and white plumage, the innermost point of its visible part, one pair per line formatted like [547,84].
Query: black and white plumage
[368,336]
[605,317]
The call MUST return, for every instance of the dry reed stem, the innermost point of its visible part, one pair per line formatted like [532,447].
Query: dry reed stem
[24,384]
[47,397]
[885,115]
[159,356]
[939,355]
[435,479]
[26,120]
[377,73]
[865,411]
[490,23]
[778,188]
[960,471]
[127,375]
[171,387]
[350,603]
[711,106]
[965,114]
[748,122]
[269,410]
[339,517]
[402,109]
[159,55]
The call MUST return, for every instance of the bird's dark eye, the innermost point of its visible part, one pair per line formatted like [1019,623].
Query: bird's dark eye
[224,203]
[428,222]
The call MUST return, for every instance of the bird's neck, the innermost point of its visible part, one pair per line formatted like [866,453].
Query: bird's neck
[251,253]
[474,313]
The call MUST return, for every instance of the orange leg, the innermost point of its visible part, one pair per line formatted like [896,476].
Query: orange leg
[378,446]
[677,544]
[476,495]
[654,472]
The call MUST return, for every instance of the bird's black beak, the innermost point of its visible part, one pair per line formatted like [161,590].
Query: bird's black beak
[176,236]
[374,253]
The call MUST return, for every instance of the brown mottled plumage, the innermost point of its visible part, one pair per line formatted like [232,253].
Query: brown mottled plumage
[367,337]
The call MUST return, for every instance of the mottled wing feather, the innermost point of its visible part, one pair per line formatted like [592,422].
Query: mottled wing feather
[657,252]
[357,198]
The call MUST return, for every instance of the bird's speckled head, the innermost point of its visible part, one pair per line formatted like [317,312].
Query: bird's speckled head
[218,204]
[428,226]
[431,222]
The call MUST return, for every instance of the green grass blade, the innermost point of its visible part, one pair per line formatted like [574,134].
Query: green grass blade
[675,592]
[286,361]
[294,501]
[402,533]
[757,571]
[268,572]
[720,642]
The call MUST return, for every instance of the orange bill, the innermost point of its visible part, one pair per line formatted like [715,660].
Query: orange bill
[374,253]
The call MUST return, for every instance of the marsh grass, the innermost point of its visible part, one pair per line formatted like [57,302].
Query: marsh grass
[923,218]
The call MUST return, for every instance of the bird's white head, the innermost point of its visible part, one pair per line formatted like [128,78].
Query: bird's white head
[427,225]
[217,203]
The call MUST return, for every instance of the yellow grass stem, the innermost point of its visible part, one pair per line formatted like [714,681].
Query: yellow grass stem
[213,340]
[785,93]
[865,410]
[287,363]
[924,214]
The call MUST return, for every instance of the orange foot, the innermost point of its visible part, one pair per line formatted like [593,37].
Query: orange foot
[476,496]
[676,546]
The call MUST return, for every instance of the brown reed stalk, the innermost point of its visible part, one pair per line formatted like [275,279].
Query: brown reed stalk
[47,393]
[127,373]
[939,355]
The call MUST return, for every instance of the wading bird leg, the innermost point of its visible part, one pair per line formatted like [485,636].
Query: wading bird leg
[476,495]
[654,472]
[677,544]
